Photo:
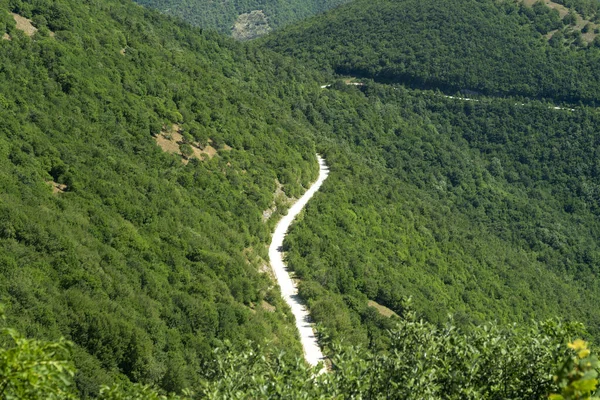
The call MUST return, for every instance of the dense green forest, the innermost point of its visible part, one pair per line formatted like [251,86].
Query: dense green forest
[484,210]
[138,155]
[144,262]
[487,46]
[427,362]
[221,15]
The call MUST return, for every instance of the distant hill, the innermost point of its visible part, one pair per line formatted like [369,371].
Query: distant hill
[244,19]
[497,48]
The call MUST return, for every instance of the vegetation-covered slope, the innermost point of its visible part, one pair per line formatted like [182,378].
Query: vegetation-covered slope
[221,15]
[144,262]
[589,9]
[428,362]
[484,46]
[149,260]
[482,210]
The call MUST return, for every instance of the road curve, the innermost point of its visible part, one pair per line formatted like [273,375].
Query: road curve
[289,291]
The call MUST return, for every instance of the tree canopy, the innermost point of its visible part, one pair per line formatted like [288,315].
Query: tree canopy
[145,162]
[485,46]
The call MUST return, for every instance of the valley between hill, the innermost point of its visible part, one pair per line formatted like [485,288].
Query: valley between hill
[289,291]
[138,155]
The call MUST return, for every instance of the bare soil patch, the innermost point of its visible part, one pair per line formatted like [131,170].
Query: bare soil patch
[250,25]
[6,36]
[590,36]
[549,35]
[208,150]
[383,310]
[24,24]
[169,141]
[267,306]
[57,187]
[563,11]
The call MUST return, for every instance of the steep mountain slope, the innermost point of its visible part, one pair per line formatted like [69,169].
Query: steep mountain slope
[483,46]
[485,210]
[146,260]
[223,15]
[138,156]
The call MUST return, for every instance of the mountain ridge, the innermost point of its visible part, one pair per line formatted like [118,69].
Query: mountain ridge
[223,16]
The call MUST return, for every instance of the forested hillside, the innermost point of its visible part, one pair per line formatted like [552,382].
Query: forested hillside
[221,15]
[492,47]
[589,9]
[483,210]
[144,163]
[146,260]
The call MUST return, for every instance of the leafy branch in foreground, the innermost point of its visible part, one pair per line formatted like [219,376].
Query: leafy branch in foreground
[577,377]
[424,361]
[37,369]
[32,369]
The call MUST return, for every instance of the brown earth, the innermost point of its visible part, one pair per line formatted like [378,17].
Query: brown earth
[57,187]
[250,25]
[169,142]
[563,11]
[383,310]
[24,24]
[6,36]
[267,306]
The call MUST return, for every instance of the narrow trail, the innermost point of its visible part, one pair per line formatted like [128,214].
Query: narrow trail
[460,98]
[289,291]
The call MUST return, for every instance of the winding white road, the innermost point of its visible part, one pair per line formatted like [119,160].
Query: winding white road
[289,291]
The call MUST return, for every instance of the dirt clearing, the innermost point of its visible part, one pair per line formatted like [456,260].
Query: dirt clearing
[24,25]
[57,187]
[383,310]
[588,37]
[170,141]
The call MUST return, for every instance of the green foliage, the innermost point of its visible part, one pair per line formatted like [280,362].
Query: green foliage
[424,361]
[186,150]
[30,369]
[136,392]
[34,369]
[258,373]
[142,262]
[491,47]
[577,376]
[483,210]
[588,9]
[222,15]
[488,362]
